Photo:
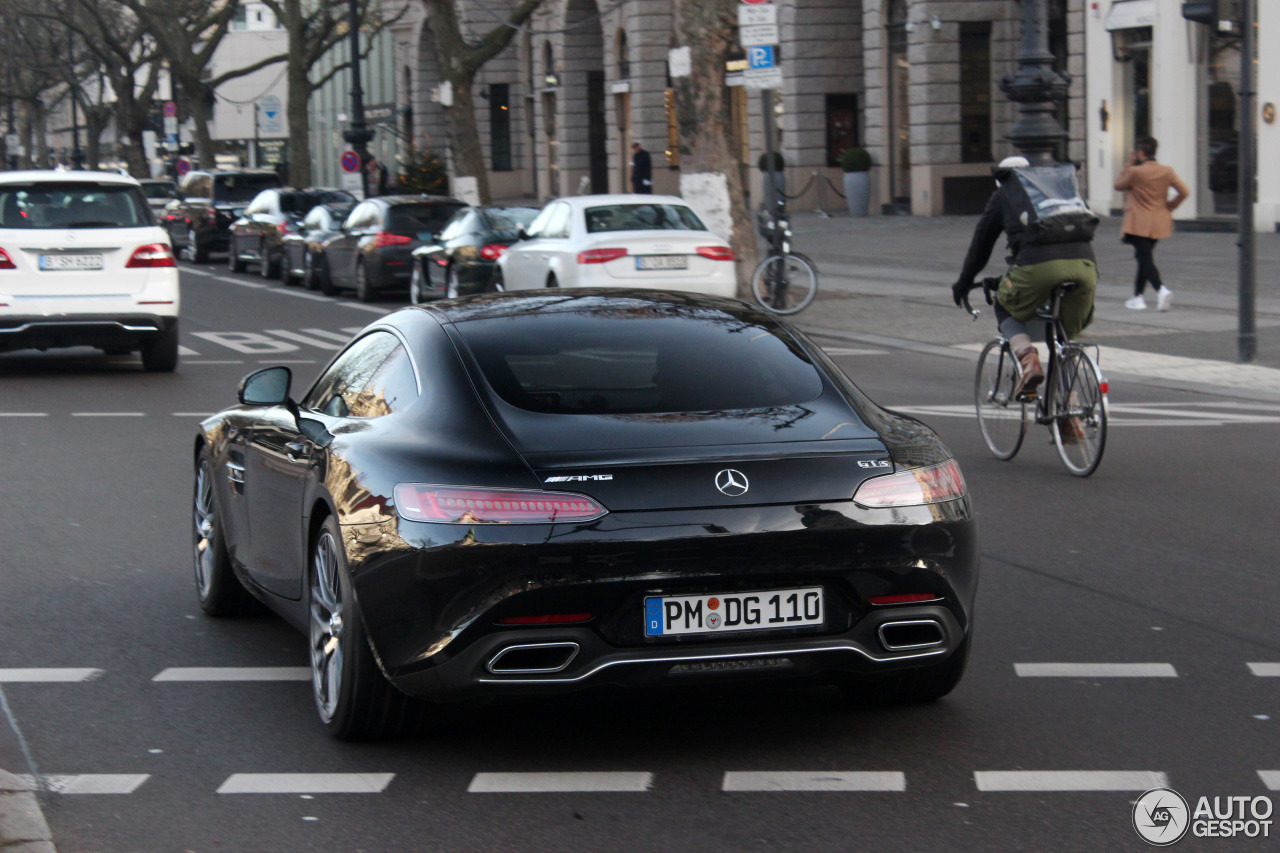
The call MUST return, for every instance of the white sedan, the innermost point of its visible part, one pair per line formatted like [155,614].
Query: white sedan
[649,241]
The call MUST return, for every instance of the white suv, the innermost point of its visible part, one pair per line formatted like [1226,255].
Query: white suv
[83,263]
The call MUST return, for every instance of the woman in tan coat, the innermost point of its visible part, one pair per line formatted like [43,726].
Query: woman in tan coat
[1148,216]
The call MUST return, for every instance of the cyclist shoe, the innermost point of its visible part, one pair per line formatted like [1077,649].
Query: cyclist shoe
[1137,303]
[1072,431]
[1032,374]
[1164,297]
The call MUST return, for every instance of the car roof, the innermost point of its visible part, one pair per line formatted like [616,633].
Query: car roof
[61,176]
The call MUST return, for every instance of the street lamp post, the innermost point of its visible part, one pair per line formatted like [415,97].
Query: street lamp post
[1034,88]
[77,155]
[358,134]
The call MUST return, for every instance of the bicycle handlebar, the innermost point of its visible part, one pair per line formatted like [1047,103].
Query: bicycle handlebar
[988,287]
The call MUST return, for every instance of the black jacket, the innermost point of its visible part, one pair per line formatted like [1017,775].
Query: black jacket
[641,172]
[999,216]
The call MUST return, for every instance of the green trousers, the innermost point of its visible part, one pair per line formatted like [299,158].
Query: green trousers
[1025,289]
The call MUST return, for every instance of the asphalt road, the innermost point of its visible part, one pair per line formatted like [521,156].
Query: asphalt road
[1164,558]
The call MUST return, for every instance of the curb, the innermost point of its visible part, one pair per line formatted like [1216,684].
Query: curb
[23,828]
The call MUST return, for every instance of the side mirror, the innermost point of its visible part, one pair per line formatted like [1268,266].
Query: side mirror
[266,387]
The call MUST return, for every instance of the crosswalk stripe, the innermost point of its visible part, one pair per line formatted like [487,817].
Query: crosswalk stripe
[1270,778]
[47,675]
[1265,670]
[234,673]
[1069,780]
[306,783]
[1095,670]
[95,783]
[817,780]
[340,337]
[543,783]
[303,339]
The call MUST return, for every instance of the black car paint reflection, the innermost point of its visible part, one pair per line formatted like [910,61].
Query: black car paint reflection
[454,393]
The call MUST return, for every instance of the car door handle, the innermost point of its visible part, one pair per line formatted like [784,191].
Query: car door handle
[294,449]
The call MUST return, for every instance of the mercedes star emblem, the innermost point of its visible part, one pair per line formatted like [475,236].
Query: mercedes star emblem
[731,482]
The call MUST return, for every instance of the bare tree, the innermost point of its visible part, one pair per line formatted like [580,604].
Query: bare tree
[459,63]
[31,81]
[709,171]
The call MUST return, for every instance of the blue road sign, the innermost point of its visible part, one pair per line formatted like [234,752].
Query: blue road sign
[760,56]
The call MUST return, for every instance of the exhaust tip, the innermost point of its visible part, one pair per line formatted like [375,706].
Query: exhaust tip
[911,634]
[532,658]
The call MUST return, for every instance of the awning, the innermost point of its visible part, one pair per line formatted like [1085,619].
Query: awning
[1130,14]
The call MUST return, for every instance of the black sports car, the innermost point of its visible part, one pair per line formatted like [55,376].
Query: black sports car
[542,491]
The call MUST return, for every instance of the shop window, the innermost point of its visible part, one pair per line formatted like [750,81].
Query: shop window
[975,92]
[500,126]
[843,131]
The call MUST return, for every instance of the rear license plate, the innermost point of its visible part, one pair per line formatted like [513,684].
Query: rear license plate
[739,611]
[662,262]
[71,262]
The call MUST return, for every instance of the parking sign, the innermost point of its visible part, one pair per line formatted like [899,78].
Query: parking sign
[760,56]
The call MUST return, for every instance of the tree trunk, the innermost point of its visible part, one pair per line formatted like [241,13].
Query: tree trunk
[464,136]
[710,174]
[299,93]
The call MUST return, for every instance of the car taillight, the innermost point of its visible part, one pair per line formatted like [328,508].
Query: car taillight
[913,486]
[6,262]
[154,255]
[386,238]
[716,253]
[493,251]
[285,227]
[600,256]
[463,505]
[210,214]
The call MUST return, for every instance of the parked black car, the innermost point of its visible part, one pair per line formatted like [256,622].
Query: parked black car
[303,250]
[257,236]
[373,253]
[464,255]
[199,219]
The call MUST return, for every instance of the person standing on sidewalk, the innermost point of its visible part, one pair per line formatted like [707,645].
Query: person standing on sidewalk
[641,169]
[1148,216]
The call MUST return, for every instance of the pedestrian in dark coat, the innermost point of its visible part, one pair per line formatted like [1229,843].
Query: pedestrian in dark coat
[377,176]
[641,169]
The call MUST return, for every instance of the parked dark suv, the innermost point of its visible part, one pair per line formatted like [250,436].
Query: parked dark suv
[199,219]
[257,236]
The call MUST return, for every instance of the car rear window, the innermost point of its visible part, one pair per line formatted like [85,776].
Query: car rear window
[642,217]
[157,189]
[242,187]
[420,219]
[73,204]
[591,363]
[300,202]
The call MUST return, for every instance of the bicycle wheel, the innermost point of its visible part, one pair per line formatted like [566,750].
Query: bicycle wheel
[785,284]
[1001,418]
[1079,411]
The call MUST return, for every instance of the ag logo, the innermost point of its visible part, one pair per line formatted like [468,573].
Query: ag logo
[731,482]
[1161,817]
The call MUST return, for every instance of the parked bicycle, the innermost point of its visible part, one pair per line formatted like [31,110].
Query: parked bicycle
[1073,403]
[785,282]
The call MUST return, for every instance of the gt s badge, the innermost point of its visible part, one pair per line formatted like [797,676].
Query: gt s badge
[874,463]
[578,478]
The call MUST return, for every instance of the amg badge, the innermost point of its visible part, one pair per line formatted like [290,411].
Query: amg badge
[578,478]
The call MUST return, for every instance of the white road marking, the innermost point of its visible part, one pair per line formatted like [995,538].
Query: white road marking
[853,351]
[304,339]
[108,415]
[306,783]
[302,294]
[1265,670]
[360,306]
[816,780]
[340,337]
[251,343]
[1095,670]
[1069,780]
[192,414]
[24,414]
[1270,778]
[211,361]
[186,351]
[1122,414]
[47,675]
[195,271]
[543,783]
[96,783]
[235,673]
[253,285]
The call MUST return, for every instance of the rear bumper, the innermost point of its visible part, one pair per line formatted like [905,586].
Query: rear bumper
[104,331]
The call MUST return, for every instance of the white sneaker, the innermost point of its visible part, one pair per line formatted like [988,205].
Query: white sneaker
[1137,303]
[1164,297]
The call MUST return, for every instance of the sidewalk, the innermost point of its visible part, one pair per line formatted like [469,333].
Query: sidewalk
[886,281]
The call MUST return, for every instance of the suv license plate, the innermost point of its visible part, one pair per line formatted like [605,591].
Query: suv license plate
[71,262]
[662,262]
[736,611]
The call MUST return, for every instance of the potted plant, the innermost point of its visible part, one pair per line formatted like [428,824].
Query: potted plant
[778,175]
[856,163]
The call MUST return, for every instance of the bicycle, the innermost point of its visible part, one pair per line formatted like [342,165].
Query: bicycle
[1073,404]
[785,282]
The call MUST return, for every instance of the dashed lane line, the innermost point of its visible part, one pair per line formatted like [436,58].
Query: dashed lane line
[108,414]
[48,675]
[1265,670]
[1270,778]
[820,780]
[234,673]
[1095,670]
[1069,780]
[558,783]
[306,783]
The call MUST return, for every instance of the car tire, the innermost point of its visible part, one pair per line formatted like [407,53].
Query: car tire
[234,261]
[324,277]
[911,687]
[160,354]
[416,284]
[365,291]
[453,287]
[551,281]
[309,279]
[268,267]
[218,589]
[354,699]
[196,253]
[286,271]
[498,284]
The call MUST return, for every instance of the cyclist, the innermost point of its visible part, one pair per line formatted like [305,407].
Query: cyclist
[1035,270]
